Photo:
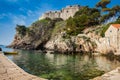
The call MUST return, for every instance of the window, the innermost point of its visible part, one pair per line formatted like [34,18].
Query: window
[110,30]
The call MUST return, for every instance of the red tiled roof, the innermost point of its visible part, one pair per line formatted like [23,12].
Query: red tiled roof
[116,25]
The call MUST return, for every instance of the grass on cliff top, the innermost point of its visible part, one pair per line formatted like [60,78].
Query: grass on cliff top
[59,27]
[104,29]
[43,21]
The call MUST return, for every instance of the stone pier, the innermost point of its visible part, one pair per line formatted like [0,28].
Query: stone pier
[112,75]
[10,71]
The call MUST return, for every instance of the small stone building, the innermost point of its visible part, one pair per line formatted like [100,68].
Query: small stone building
[113,36]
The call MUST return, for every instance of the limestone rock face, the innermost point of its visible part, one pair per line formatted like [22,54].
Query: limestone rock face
[72,44]
[89,42]
[39,34]
[48,35]
[59,44]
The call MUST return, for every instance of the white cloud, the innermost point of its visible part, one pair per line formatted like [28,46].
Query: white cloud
[22,9]
[14,19]
[27,0]
[12,0]
[20,19]
[17,0]
[2,15]
[32,15]
[40,10]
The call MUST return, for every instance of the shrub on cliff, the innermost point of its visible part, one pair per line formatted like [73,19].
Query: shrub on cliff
[84,18]
[35,36]
[21,29]
[41,22]
[104,29]
[87,16]
[74,26]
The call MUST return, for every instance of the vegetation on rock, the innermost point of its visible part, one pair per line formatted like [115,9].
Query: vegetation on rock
[35,36]
[103,3]
[21,29]
[87,17]
[84,18]
[60,32]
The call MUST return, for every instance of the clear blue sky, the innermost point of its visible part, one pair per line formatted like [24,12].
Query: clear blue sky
[25,12]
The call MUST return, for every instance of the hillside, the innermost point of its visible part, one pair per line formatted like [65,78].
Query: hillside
[83,32]
[35,36]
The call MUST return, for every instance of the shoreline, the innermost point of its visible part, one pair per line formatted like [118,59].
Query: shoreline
[10,71]
[112,75]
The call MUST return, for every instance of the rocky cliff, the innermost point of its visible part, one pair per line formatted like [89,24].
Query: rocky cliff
[89,41]
[35,36]
[51,35]
[72,44]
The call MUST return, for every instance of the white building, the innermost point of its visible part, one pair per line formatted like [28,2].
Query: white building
[113,36]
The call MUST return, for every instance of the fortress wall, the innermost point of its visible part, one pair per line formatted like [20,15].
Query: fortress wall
[68,12]
[65,13]
[51,15]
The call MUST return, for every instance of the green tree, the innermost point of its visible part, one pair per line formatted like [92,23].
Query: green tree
[93,13]
[70,27]
[103,3]
[30,32]
[81,20]
[104,18]
[85,17]
[83,10]
[115,11]
[21,29]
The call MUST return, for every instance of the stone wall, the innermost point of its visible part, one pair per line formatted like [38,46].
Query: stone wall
[65,13]
[113,37]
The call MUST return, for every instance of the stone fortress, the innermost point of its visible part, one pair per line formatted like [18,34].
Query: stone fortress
[65,13]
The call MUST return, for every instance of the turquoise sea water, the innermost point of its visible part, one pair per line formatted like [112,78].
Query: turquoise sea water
[60,66]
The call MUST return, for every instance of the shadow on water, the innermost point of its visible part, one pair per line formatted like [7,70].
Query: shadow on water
[110,56]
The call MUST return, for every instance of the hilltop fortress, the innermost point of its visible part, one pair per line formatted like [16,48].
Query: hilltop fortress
[65,13]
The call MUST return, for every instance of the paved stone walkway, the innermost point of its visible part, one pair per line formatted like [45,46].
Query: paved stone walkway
[112,75]
[10,71]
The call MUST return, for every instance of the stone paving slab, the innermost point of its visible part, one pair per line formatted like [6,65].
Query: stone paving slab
[10,71]
[112,75]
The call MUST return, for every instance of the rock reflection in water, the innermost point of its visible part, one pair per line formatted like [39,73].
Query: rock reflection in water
[63,67]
